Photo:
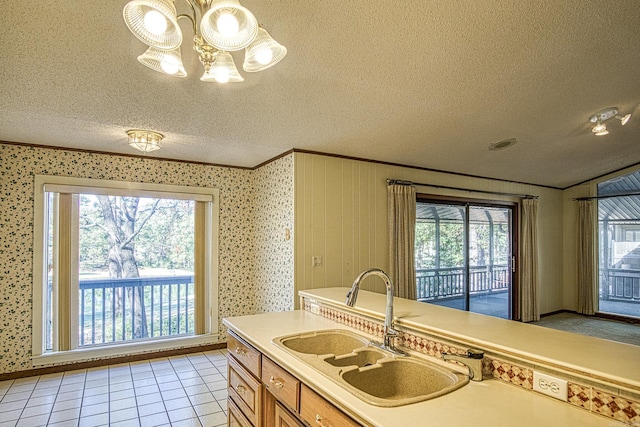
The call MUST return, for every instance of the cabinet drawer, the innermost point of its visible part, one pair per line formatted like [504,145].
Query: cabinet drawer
[248,356]
[235,417]
[245,391]
[316,411]
[281,384]
[284,418]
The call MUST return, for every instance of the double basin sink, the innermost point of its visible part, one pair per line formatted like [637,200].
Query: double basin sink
[372,374]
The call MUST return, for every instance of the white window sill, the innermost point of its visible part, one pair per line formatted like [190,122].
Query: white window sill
[124,349]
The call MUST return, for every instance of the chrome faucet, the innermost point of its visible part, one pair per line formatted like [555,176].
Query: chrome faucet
[473,360]
[388,332]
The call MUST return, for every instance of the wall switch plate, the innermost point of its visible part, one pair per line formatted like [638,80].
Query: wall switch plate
[551,386]
[316,261]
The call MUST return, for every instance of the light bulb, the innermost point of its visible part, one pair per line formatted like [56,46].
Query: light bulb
[169,64]
[599,128]
[155,22]
[221,75]
[264,56]
[228,24]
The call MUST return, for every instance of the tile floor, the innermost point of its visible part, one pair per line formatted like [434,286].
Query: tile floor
[187,390]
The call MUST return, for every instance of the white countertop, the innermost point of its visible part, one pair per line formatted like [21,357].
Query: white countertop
[489,403]
[612,361]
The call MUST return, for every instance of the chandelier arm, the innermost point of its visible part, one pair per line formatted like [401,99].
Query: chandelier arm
[193,21]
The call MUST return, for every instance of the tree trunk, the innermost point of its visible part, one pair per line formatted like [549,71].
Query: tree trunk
[119,214]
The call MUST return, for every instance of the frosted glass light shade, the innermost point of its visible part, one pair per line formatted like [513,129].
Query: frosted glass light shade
[164,61]
[218,28]
[136,16]
[625,119]
[263,53]
[223,70]
[144,140]
[600,129]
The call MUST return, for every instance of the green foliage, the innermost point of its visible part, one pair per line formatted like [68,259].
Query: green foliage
[166,240]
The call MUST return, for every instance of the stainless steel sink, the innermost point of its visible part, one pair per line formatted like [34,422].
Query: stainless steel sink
[369,372]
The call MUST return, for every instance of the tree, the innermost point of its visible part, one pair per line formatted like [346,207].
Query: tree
[122,221]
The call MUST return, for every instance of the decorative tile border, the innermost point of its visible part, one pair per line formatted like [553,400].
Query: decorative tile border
[592,399]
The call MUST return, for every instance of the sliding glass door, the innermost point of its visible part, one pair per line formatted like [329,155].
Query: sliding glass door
[619,241]
[464,256]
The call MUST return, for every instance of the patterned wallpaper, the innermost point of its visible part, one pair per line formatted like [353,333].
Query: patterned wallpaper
[274,248]
[19,165]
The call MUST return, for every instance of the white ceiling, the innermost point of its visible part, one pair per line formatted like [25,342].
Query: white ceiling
[420,82]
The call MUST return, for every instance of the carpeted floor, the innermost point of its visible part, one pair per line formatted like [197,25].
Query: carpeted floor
[593,326]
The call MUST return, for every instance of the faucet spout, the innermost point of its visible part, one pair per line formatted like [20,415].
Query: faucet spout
[472,359]
[388,332]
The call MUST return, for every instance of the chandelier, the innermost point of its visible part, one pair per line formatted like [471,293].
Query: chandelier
[225,26]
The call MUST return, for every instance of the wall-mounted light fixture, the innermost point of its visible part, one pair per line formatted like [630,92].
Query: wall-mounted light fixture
[602,116]
[144,140]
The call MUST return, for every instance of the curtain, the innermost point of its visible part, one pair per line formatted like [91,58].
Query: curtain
[529,261]
[586,258]
[401,217]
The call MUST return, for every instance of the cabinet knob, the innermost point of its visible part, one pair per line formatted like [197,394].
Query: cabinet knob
[277,382]
[240,350]
[320,421]
[240,389]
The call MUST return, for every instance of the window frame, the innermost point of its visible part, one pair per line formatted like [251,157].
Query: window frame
[211,197]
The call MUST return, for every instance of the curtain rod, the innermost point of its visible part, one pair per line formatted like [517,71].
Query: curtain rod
[401,182]
[606,197]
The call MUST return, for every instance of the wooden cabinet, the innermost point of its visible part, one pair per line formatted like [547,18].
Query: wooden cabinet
[284,418]
[317,411]
[284,386]
[246,355]
[263,394]
[243,383]
[236,418]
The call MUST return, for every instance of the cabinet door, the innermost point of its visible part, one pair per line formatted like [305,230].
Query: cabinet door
[317,411]
[235,417]
[245,391]
[285,419]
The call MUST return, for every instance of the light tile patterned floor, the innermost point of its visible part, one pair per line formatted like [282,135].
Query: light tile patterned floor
[188,390]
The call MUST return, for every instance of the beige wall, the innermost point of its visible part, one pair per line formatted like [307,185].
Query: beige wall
[341,215]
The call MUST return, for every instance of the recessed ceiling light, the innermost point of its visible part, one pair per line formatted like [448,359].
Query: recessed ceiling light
[502,144]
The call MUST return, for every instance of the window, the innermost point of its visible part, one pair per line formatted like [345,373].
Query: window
[122,267]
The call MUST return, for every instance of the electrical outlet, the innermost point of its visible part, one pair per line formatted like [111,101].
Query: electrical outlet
[551,386]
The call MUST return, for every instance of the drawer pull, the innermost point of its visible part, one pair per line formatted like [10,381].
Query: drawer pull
[240,389]
[240,350]
[320,422]
[277,382]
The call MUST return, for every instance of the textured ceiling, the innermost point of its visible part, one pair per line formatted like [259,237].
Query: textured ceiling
[421,83]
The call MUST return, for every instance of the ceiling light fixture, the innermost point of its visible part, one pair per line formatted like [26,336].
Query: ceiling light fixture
[144,140]
[607,114]
[501,145]
[224,26]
